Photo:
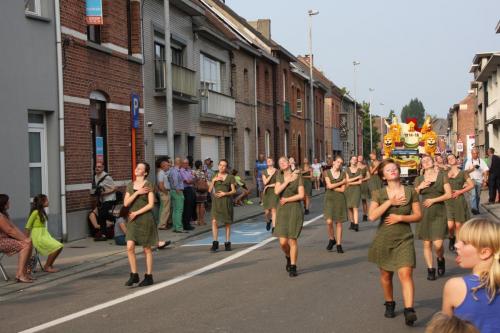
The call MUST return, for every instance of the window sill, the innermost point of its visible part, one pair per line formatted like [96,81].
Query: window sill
[159,93]
[37,17]
[135,59]
[98,47]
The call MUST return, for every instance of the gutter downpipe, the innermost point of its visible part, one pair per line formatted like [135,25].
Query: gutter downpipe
[256,109]
[168,81]
[60,97]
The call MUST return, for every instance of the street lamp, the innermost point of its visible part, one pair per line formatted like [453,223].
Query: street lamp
[355,63]
[371,124]
[311,13]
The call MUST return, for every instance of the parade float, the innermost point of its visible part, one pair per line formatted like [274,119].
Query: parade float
[405,143]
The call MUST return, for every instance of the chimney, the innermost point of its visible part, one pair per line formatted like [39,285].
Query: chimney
[263,26]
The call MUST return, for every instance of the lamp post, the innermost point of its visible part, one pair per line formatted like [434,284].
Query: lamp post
[355,63]
[311,13]
[371,124]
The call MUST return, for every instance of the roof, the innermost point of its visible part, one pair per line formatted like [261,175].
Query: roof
[440,126]
[490,68]
[497,29]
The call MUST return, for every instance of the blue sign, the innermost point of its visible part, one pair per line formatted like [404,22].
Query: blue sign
[93,12]
[99,148]
[134,110]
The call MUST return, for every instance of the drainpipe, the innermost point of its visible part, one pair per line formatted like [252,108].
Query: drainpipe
[60,98]
[275,111]
[255,109]
[168,81]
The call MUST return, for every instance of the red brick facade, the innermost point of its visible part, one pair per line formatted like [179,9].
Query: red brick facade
[298,146]
[465,120]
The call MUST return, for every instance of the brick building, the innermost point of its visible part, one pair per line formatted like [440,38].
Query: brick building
[102,70]
[298,114]
[461,124]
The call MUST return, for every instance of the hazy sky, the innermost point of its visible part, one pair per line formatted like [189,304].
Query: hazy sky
[406,48]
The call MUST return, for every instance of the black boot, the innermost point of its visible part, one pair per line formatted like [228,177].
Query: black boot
[288,264]
[134,278]
[410,316]
[268,225]
[148,280]
[293,271]
[306,212]
[431,274]
[339,249]
[215,246]
[227,246]
[356,227]
[365,218]
[351,226]
[389,309]
[331,243]
[441,266]
[451,245]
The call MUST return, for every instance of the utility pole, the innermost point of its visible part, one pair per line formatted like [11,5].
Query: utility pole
[371,124]
[311,13]
[355,63]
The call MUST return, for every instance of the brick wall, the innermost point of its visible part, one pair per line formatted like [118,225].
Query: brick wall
[465,120]
[265,103]
[298,120]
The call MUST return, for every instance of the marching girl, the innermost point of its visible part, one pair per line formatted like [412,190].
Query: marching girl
[307,175]
[270,199]
[375,182]
[353,192]
[365,191]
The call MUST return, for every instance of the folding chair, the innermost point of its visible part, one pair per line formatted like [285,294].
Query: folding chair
[2,269]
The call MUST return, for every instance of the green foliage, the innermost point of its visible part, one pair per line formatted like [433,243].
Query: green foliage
[414,109]
[391,115]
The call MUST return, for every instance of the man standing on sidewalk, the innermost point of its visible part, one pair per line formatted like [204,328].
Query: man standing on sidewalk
[189,211]
[176,194]
[164,191]
[494,176]
[106,197]
[478,171]
[260,166]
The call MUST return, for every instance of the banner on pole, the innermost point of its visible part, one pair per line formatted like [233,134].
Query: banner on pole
[93,12]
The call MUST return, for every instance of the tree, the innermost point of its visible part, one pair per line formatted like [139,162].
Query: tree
[392,114]
[366,132]
[414,109]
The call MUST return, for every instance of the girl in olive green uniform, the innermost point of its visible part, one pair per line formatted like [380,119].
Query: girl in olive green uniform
[290,215]
[435,189]
[335,207]
[307,179]
[353,192]
[141,226]
[223,186]
[393,249]
[270,199]
[456,208]
[365,191]
[375,182]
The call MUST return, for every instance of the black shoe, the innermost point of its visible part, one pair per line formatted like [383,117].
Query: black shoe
[293,271]
[441,266]
[100,238]
[272,230]
[148,280]
[268,225]
[134,278]
[188,228]
[389,309]
[410,316]
[339,249]
[475,211]
[306,212]
[351,227]
[451,245]
[356,227]
[215,246]
[365,218]
[288,264]
[227,246]
[164,245]
[431,274]
[331,243]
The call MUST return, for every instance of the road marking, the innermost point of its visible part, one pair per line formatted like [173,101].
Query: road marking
[155,287]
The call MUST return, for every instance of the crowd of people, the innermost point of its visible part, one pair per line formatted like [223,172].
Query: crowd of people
[435,202]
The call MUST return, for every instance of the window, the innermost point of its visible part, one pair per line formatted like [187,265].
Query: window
[33,7]
[246,86]
[246,151]
[177,58]
[284,86]
[98,128]
[210,73]
[37,146]
[94,34]
[160,70]
[267,86]
[267,143]
[286,142]
[129,27]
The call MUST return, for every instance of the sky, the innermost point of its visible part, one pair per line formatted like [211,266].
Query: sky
[407,49]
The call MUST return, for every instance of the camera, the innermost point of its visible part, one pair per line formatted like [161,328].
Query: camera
[476,166]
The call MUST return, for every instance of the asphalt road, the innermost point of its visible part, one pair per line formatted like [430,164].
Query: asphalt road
[249,292]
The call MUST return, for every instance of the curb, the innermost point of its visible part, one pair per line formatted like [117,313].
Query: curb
[491,211]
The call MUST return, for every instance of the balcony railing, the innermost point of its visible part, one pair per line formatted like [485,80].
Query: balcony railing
[183,80]
[217,106]
[286,111]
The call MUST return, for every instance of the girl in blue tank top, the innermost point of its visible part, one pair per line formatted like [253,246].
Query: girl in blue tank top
[475,297]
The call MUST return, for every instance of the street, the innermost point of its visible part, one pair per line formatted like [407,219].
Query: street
[246,290]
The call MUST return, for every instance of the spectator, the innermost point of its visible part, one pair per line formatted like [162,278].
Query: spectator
[260,165]
[316,173]
[201,187]
[40,236]
[242,191]
[442,323]
[475,297]
[94,226]
[208,168]
[189,212]
[163,187]
[105,193]
[478,171]
[494,176]
[13,240]
[176,195]
[293,165]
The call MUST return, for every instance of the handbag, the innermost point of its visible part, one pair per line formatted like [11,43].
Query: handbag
[201,185]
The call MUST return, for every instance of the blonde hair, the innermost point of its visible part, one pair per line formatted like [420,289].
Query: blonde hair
[442,323]
[483,233]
